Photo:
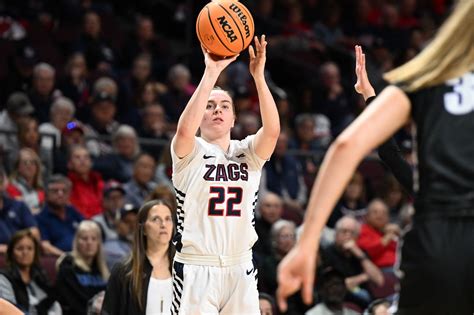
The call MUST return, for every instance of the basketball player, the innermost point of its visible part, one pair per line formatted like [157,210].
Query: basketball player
[216,181]
[436,89]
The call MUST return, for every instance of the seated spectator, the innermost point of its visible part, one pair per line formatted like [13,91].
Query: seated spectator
[14,216]
[395,197]
[378,307]
[283,237]
[58,220]
[143,284]
[119,164]
[155,126]
[270,211]
[101,123]
[87,185]
[61,113]
[72,134]
[24,283]
[352,201]
[116,250]
[180,90]
[76,85]
[283,176]
[43,93]
[26,183]
[266,304]
[346,257]
[141,184]
[332,290]
[82,273]
[378,238]
[17,109]
[112,202]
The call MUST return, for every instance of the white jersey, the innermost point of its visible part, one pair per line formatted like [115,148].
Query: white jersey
[216,194]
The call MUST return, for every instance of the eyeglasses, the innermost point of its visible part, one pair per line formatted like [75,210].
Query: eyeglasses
[28,162]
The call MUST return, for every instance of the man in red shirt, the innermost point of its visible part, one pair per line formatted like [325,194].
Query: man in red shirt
[378,238]
[87,185]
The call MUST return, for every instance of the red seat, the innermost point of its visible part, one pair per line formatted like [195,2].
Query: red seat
[48,262]
[389,287]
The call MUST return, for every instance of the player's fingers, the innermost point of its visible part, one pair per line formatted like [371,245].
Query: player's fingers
[251,52]
[307,290]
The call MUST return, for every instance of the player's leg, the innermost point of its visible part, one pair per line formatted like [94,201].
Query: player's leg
[195,290]
[241,295]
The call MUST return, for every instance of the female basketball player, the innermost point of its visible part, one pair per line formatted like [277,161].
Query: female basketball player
[216,181]
[436,89]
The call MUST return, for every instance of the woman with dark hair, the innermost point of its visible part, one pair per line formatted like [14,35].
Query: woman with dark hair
[24,283]
[143,283]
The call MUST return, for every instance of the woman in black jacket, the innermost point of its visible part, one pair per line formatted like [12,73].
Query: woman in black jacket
[148,270]
[24,283]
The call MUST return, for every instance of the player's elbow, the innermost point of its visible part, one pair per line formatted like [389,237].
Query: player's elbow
[349,145]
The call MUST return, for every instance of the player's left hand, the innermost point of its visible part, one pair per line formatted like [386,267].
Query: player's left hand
[258,56]
[296,270]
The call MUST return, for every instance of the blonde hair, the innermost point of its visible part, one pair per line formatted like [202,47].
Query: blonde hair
[99,260]
[448,56]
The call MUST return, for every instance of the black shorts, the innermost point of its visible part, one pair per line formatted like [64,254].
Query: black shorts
[437,265]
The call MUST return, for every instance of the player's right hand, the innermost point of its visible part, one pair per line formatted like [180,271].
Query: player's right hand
[362,85]
[296,270]
[216,63]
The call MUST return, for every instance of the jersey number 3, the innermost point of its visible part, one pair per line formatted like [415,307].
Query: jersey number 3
[225,201]
[461,100]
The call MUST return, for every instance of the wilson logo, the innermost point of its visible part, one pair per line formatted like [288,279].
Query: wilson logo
[227,29]
[242,17]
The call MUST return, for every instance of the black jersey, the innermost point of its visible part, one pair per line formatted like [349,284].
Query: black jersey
[444,119]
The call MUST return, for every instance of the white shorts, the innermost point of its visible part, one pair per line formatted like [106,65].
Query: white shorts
[204,289]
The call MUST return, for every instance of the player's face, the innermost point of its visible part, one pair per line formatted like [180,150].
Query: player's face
[159,225]
[219,115]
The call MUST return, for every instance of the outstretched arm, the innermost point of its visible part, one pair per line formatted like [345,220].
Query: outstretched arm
[192,115]
[389,152]
[267,136]
[389,111]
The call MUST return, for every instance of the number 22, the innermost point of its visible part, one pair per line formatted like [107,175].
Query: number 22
[234,198]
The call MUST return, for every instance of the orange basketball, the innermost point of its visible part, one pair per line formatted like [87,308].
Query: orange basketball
[225,27]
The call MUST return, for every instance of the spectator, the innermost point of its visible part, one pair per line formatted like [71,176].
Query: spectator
[58,220]
[26,183]
[346,257]
[99,55]
[87,185]
[378,307]
[112,202]
[14,216]
[394,196]
[119,164]
[378,238]
[61,113]
[43,93]
[141,184]
[282,175]
[24,282]
[180,91]
[352,201]
[283,237]
[164,192]
[143,284]
[72,134]
[82,273]
[155,126]
[267,304]
[18,108]
[270,210]
[331,291]
[119,248]
[102,122]
[75,85]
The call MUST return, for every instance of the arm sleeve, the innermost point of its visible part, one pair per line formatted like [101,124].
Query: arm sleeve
[390,154]
[112,299]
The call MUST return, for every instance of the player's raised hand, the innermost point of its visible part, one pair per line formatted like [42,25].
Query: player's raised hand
[216,63]
[258,56]
[296,271]
[362,85]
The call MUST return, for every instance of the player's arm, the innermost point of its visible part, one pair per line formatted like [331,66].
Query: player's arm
[191,117]
[267,135]
[389,152]
[388,112]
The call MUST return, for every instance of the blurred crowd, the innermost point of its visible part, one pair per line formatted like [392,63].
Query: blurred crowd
[90,95]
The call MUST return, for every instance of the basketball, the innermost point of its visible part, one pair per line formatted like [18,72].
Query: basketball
[225,27]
